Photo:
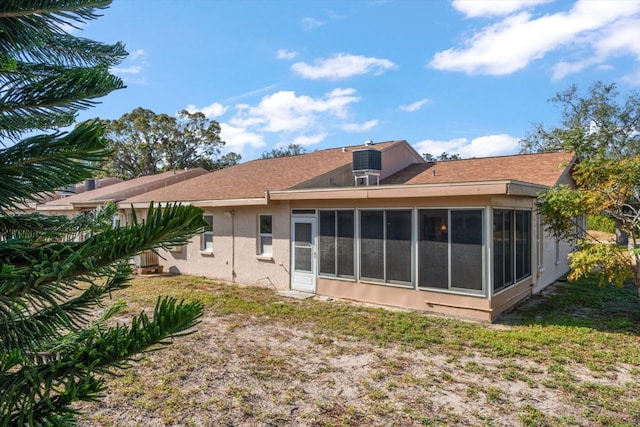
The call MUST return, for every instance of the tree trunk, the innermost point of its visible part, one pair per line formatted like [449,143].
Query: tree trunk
[622,238]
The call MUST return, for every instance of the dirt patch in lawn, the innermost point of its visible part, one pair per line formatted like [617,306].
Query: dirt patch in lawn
[239,370]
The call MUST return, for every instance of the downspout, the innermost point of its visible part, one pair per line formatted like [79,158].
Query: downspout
[233,246]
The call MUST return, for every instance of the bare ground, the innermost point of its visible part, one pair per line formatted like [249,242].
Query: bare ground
[243,371]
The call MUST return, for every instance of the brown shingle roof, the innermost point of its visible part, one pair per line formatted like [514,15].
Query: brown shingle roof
[125,189]
[543,168]
[253,178]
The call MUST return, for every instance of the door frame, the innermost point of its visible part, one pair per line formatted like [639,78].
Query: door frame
[312,277]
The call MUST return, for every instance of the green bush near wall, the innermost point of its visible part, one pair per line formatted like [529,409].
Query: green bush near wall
[601,223]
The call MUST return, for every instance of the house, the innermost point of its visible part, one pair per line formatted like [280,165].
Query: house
[95,196]
[87,185]
[95,193]
[376,223]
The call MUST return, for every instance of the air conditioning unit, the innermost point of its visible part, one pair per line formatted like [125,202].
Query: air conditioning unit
[367,165]
[367,160]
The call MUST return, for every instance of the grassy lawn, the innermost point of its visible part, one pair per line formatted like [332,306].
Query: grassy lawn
[568,357]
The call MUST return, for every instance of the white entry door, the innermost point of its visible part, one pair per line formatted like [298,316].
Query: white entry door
[303,254]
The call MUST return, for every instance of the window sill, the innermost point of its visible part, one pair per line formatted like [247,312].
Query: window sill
[264,258]
[207,252]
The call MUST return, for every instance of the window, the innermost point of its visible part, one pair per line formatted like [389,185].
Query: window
[265,235]
[511,247]
[450,248]
[206,242]
[466,249]
[385,246]
[337,243]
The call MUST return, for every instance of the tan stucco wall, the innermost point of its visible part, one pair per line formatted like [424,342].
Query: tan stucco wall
[250,268]
[458,305]
[551,269]
[511,296]
[237,252]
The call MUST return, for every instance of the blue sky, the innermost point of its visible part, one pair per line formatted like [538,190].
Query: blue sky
[466,77]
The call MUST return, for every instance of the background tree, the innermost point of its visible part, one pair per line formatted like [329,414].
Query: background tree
[146,143]
[442,157]
[603,131]
[226,160]
[54,344]
[289,150]
[599,123]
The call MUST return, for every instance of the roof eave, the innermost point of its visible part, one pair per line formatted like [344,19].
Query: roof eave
[502,187]
[254,201]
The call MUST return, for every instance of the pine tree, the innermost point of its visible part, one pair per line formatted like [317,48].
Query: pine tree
[55,343]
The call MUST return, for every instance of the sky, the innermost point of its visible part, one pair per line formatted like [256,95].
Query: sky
[467,77]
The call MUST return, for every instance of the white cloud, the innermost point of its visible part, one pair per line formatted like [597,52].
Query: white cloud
[483,146]
[285,111]
[286,54]
[237,138]
[514,42]
[359,127]
[310,139]
[214,110]
[604,67]
[414,106]
[633,78]
[342,66]
[436,147]
[617,39]
[136,54]
[311,23]
[134,69]
[285,115]
[251,93]
[333,15]
[475,8]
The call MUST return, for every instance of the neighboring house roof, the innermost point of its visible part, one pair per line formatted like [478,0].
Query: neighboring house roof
[56,195]
[541,168]
[122,190]
[252,179]
[102,182]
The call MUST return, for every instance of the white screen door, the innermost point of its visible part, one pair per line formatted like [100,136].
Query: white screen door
[303,254]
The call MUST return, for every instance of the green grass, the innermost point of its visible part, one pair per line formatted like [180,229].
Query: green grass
[580,323]
[550,341]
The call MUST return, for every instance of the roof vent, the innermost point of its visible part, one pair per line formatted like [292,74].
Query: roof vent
[69,190]
[367,164]
[90,184]
[368,142]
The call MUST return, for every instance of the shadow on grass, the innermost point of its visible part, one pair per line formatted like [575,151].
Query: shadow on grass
[581,303]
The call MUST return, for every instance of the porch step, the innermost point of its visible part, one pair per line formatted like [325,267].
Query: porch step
[149,269]
[296,294]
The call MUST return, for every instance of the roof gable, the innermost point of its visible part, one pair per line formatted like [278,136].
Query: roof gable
[252,179]
[540,168]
